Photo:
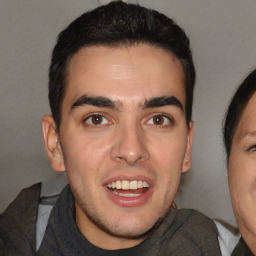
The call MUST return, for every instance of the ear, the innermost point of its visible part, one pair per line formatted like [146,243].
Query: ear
[52,144]
[187,158]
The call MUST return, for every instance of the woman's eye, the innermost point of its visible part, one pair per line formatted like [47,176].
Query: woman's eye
[252,148]
[161,120]
[96,119]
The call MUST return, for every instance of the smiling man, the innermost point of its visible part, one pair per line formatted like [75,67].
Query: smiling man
[120,91]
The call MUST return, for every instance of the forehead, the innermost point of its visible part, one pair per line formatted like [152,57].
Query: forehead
[136,72]
[247,122]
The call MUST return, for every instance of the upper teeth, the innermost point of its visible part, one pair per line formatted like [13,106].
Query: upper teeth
[126,185]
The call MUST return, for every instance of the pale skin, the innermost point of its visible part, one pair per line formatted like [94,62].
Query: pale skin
[242,174]
[122,118]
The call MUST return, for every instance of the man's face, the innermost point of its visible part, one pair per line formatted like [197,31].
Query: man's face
[124,138]
[242,173]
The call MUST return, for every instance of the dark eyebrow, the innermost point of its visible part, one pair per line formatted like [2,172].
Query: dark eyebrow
[163,101]
[98,101]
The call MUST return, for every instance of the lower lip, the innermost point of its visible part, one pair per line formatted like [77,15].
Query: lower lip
[130,201]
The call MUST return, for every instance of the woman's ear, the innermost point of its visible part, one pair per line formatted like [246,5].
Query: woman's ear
[52,143]
[187,158]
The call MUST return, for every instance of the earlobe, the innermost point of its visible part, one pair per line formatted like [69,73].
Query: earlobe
[52,143]
[187,158]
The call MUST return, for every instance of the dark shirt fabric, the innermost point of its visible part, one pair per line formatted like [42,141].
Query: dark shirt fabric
[242,249]
[18,224]
[183,232]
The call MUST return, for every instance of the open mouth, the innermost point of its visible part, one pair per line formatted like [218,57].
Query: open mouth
[125,188]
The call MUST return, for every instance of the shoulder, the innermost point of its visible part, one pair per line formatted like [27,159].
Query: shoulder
[17,223]
[193,220]
[27,200]
[200,230]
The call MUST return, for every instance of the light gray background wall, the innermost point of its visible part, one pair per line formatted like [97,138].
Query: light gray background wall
[223,39]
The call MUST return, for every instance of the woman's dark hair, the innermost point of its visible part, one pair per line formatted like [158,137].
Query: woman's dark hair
[118,24]
[236,108]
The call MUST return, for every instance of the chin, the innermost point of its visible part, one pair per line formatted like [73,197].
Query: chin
[127,226]
[129,230]
[138,226]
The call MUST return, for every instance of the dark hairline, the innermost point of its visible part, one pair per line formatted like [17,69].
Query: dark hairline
[118,24]
[236,108]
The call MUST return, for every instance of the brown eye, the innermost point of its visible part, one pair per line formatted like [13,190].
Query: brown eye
[158,120]
[96,120]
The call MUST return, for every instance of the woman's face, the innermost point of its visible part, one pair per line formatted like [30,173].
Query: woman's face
[242,174]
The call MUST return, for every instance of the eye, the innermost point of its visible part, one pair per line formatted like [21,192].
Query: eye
[96,120]
[160,120]
[252,148]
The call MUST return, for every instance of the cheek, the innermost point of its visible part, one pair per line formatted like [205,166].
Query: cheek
[168,163]
[242,177]
[84,152]
[242,182]
[169,151]
[237,184]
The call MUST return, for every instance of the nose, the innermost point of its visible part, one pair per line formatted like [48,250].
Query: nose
[129,146]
